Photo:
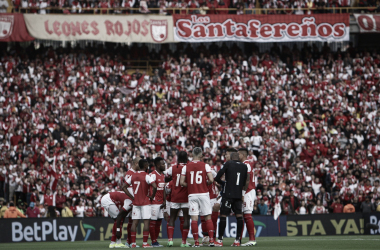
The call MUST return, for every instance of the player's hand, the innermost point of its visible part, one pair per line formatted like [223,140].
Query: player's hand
[242,198]
[163,206]
[118,234]
[150,197]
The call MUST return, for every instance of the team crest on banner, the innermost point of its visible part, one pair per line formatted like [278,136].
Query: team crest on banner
[159,30]
[6,26]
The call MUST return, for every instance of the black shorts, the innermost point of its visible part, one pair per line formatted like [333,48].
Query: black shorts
[226,205]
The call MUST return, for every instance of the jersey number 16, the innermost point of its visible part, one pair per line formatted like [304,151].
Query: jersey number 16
[198,177]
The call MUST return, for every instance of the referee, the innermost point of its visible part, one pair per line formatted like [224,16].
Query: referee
[237,180]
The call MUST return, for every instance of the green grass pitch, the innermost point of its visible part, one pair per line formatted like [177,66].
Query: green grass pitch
[267,243]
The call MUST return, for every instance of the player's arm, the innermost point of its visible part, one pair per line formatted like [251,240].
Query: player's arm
[125,187]
[182,181]
[164,202]
[209,175]
[220,174]
[247,182]
[210,178]
[154,185]
[168,175]
[122,214]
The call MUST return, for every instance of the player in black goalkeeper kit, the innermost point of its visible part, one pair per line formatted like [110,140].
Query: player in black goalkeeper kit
[237,181]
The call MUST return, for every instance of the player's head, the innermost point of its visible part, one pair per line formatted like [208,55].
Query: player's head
[135,164]
[143,164]
[234,156]
[197,153]
[182,157]
[243,153]
[159,162]
[228,153]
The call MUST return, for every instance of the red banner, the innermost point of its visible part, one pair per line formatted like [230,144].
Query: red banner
[261,28]
[368,23]
[13,29]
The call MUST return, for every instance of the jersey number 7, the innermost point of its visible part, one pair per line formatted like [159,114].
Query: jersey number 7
[138,185]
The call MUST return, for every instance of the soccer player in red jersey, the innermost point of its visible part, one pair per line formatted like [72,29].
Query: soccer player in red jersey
[117,204]
[141,182]
[196,175]
[134,168]
[179,200]
[159,202]
[249,199]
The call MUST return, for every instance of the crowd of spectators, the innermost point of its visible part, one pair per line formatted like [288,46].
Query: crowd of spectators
[163,7]
[309,117]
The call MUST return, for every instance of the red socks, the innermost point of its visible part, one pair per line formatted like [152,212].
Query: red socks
[194,229]
[133,237]
[113,237]
[203,223]
[167,225]
[145,236]
[185,232]
[214,218]
[170,233]
[129,231]
[158,228]
[181,221]
[250,226]
[152,230]
[210,230]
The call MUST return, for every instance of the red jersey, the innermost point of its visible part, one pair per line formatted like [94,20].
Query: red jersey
[129,173]
[48,199]
[178,194]
[140,182]
[90,211]
[252,181]
[196,177]
[118,198]
[159,179]
[213,191]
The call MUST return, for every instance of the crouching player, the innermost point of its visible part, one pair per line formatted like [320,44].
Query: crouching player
[118,205]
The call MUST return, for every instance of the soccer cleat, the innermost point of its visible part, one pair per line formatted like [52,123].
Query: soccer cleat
[184,245]
[112,245]
[146,245]
[126,243]
[133,245]
[170,244]
[188,243]
[236,244]
[249,243]
[156,244]
[219,243]
[196,244]
[120,245]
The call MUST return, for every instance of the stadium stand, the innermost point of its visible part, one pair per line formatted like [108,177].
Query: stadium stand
[163,7]
[309,118]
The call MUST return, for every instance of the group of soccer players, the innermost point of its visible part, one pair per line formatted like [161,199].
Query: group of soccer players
[186,190]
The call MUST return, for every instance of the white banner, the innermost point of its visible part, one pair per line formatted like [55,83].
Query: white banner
[107,28]
[261,28]
[368,23]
